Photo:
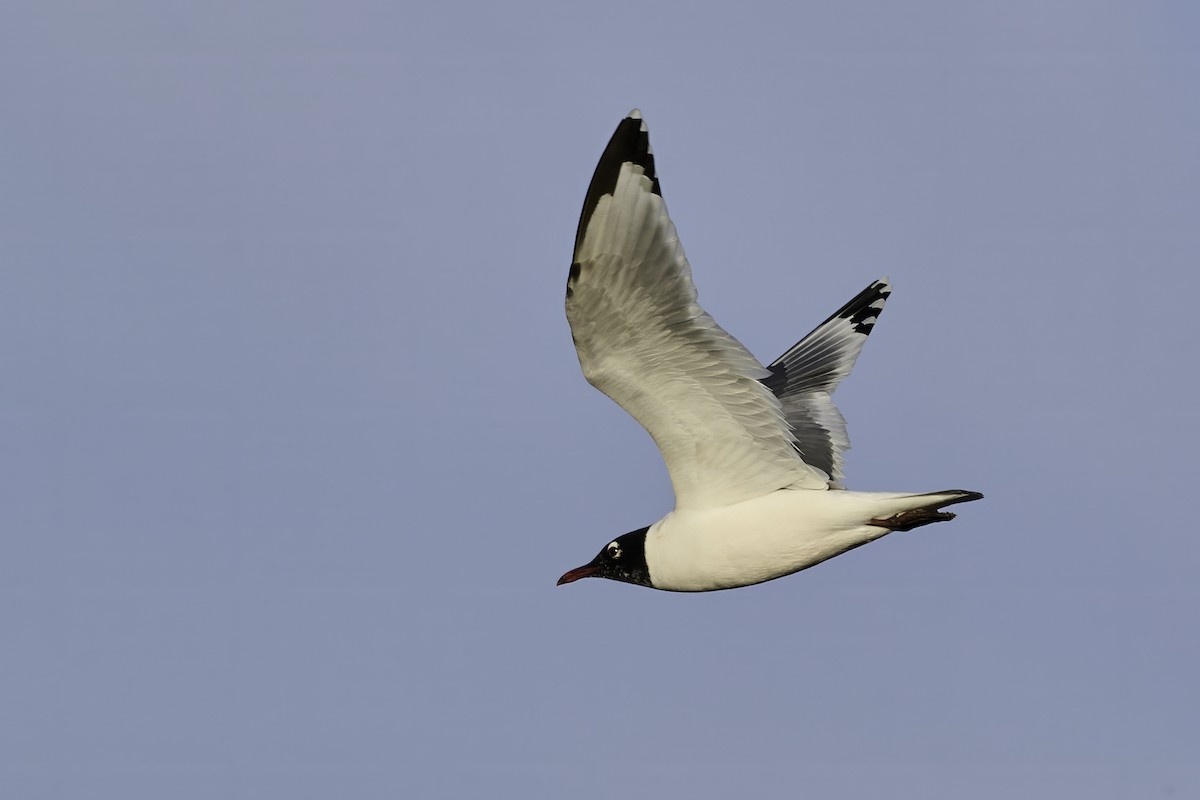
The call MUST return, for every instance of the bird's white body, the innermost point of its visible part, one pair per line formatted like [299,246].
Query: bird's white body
[767,537]
[754,453]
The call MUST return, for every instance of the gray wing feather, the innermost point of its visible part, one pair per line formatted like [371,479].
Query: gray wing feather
[805,377]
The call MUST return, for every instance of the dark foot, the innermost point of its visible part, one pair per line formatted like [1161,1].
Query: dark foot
[907,520]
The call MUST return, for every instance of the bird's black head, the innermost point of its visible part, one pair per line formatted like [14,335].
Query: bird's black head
[622,559]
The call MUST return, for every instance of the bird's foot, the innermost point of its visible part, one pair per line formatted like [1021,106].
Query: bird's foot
[907,520]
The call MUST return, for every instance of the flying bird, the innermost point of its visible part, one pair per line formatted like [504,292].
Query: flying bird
[754,453]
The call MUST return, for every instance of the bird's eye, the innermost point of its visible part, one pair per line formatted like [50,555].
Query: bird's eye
[614,550]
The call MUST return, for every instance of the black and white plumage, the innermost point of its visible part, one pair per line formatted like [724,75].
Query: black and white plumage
[754,454]
[805,377]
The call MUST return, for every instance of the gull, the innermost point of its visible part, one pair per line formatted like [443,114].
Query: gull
[754,453]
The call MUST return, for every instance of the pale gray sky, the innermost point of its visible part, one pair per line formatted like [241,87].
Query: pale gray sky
[294,442]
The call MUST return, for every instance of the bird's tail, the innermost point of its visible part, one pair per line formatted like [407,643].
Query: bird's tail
[947,497]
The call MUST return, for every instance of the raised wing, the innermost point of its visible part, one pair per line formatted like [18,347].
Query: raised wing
[644,341]
[805,376]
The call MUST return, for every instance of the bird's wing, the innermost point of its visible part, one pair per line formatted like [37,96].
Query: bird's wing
[805,376]
[644,341]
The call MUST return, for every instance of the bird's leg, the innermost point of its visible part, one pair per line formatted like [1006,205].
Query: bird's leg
[907,520]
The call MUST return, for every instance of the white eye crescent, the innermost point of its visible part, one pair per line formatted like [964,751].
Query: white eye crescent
[614,550]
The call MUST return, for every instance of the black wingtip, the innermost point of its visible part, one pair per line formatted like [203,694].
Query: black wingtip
[864,308]
[630,142]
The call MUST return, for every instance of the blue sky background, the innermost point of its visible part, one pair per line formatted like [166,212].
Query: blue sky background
[293,442]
